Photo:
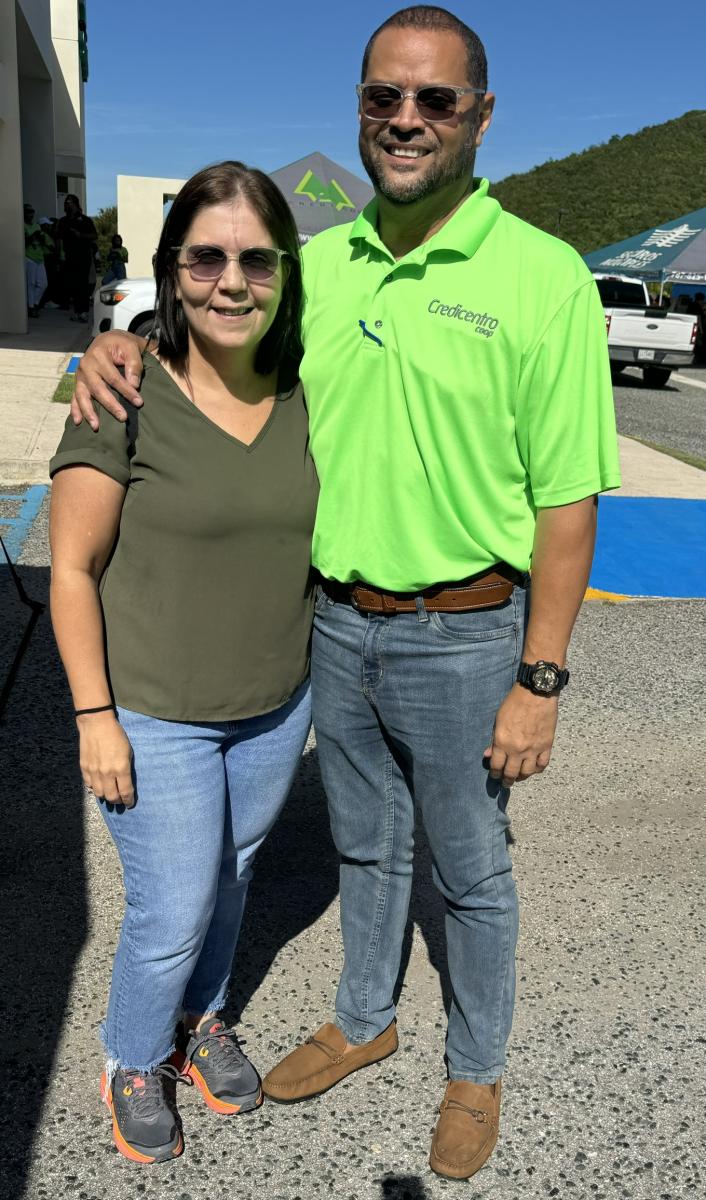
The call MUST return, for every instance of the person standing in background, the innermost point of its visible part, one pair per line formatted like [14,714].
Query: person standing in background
[117,258]
[78,236]
[35,273]
[51,262]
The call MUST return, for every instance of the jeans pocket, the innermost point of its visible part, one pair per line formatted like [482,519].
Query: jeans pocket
[322,601]
[480,624]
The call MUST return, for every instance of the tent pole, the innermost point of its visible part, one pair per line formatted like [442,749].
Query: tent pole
[661,289]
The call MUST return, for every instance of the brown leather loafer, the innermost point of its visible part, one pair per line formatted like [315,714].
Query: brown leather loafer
[467,1129]
[320,1063]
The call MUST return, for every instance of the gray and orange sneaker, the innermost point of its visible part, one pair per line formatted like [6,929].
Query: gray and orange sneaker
[212,1058]
[146,1126]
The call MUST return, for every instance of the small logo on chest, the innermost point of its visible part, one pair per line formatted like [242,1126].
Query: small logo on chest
[483,323]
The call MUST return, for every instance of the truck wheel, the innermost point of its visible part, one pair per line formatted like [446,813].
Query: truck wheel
[656,377]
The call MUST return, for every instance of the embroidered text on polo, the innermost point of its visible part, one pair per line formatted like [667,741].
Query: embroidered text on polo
[484,322]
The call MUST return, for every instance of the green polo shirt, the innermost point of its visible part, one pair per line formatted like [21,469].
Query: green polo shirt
[34,249]
[476,391]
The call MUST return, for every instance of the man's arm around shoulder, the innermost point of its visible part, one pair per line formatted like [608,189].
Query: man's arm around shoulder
[98,372]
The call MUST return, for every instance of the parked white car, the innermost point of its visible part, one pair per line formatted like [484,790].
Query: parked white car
[125,304]
[642,335]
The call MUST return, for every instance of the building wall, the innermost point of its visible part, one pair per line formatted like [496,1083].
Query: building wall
[141,203]
[41,129]
[37,144]
[13,314]
[69,125]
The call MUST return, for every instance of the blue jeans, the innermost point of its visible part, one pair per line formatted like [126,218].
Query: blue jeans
[403,707]
[206,797]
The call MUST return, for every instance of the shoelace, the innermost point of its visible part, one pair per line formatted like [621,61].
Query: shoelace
[147,1090]
[224,1046]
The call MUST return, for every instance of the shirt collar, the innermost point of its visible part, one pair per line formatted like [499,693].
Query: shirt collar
[463,232]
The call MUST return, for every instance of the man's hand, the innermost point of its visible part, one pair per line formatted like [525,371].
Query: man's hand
[523,736]
[98,371]
[561,564]
[106,758]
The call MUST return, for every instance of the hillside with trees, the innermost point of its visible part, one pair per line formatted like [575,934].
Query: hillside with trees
[615,190]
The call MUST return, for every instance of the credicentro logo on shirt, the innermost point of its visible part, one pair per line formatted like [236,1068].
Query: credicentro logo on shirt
[484,323]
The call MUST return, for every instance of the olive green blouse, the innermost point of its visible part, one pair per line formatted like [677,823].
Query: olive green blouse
[207,597]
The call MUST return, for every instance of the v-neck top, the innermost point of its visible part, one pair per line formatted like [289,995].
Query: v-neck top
[207,597]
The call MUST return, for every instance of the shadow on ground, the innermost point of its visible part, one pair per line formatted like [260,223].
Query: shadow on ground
[52,331]
[403,1187]
[295,881]
[43,915]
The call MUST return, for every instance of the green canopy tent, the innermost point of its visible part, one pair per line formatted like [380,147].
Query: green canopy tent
[672,252]
[321,193]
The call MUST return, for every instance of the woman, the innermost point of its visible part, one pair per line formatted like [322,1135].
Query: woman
[117,258]
[192,709]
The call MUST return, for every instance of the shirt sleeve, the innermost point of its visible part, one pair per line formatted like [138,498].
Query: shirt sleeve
[109,449]
[565,416]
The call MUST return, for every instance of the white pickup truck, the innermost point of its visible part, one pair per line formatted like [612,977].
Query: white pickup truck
[641,335]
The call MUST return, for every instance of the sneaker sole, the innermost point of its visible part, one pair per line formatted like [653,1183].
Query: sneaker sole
[248,1103]
[163,1154]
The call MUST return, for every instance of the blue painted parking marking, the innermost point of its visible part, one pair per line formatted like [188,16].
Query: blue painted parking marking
[648,546]
[73,364]
[14,529]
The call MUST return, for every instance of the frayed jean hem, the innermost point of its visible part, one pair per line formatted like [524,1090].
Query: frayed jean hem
[113,1062]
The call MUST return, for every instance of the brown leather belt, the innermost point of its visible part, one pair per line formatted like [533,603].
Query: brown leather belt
[483,590]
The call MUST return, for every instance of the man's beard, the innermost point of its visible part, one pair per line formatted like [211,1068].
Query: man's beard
[407,191]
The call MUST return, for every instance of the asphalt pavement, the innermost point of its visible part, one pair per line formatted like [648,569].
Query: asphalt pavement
[673,416]
[605,1088]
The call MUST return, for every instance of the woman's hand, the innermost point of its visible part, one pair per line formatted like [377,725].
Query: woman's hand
[106,758]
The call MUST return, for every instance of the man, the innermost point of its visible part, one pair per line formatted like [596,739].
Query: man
[77,235]
[462,423]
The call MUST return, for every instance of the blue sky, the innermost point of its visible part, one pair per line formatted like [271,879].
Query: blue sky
[175,84]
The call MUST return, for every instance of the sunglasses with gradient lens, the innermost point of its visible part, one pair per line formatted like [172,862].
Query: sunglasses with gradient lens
[205,263]
[437,102]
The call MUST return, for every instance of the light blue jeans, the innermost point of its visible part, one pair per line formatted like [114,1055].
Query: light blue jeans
[206,797]
[403,707]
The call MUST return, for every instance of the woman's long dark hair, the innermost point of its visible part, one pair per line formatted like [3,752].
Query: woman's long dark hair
[280,348]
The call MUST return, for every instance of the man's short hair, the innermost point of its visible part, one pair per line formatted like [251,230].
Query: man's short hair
[429,16]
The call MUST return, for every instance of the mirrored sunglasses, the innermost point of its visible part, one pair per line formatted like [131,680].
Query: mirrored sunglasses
[257,263]
[436,102]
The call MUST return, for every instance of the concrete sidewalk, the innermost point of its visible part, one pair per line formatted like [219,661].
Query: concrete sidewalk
[31,366]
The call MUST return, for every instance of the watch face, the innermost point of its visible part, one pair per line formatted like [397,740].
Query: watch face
[545,679]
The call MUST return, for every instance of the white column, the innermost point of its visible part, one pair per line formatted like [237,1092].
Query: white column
[13,297]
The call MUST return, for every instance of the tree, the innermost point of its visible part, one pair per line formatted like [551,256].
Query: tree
[106,223]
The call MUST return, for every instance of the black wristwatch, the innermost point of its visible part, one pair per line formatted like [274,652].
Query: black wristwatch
[542,678]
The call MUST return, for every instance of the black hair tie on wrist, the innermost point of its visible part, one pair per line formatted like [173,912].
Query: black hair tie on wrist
[81,712]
